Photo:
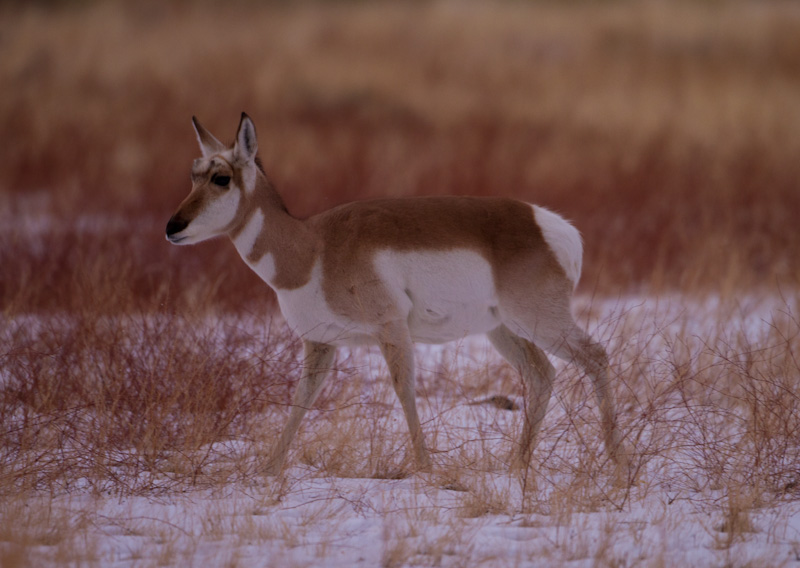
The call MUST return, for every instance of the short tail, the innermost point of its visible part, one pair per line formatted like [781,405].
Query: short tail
[563,239]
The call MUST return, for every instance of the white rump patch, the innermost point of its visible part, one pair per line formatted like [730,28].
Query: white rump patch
[564,240]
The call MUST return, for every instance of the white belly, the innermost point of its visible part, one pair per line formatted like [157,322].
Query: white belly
[445,296]
[448,295]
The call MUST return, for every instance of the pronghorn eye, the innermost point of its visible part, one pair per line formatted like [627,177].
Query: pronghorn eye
[221,181]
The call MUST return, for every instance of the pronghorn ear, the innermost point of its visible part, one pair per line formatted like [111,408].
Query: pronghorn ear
[246,144]
[209,145]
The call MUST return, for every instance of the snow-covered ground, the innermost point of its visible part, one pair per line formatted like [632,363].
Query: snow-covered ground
[303,520]
[566,512]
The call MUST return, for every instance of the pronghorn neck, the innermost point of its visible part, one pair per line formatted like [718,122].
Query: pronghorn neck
[277,246]
[260,197]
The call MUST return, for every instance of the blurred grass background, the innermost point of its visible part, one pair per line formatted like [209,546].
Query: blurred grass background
[667,131]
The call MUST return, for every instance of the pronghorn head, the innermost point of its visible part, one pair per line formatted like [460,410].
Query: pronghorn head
[221,182]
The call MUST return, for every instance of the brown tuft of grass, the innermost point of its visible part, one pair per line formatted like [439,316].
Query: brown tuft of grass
[736,522]
[132,403]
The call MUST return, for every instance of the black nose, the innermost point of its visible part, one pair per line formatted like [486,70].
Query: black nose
[176,225]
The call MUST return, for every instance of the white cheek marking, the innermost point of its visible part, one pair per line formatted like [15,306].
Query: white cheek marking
[211,220]
[563,239]
[217,215]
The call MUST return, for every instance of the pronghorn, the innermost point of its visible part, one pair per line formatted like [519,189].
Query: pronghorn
[397,271]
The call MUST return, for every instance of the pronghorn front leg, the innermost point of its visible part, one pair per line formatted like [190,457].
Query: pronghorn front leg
[316,365]
[398,350]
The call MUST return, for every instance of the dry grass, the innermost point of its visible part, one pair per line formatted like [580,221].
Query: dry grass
[132,403]
[130,368]
[152,406]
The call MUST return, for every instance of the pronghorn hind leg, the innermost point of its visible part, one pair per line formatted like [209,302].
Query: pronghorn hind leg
[537,374]
[398,350]
[579,347]
[316,366]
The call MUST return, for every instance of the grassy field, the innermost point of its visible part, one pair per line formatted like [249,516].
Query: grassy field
[135,375]
[138,441]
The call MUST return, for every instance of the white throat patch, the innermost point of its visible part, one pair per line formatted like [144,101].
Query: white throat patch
[246,240]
